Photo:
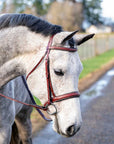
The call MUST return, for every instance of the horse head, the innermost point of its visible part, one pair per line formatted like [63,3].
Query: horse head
[64,68]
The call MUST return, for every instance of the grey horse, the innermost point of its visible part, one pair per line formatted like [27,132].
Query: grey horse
[13,111]
[23,41]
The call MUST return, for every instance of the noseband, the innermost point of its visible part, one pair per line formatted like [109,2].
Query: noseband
[52,98]
[51,95]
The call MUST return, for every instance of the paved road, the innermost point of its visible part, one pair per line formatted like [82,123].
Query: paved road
[98,120]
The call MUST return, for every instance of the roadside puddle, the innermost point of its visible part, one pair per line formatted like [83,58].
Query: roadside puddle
[96,89]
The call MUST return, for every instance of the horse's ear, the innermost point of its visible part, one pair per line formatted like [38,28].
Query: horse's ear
[69,37]
[83,38]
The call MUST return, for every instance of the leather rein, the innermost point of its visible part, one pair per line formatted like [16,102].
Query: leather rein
[52,98]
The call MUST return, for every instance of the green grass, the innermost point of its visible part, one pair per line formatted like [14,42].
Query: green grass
[37,100]
[94,63]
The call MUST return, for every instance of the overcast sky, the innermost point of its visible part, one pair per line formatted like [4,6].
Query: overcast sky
[108,8]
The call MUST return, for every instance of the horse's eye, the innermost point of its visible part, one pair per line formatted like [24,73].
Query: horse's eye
[59,72]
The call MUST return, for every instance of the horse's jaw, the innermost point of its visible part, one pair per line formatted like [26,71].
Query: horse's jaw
[68,120]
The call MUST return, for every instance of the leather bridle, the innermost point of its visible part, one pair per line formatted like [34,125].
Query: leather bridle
[52,98]
[51,95]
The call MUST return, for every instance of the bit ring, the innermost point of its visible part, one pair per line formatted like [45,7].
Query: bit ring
[53,113]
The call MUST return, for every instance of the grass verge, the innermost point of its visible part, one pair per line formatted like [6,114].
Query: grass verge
[94,63]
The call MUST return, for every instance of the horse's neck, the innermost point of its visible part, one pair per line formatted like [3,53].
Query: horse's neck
[10,70]
[18,46]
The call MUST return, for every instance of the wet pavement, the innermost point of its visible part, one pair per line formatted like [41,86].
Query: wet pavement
[97,104]
[96,89]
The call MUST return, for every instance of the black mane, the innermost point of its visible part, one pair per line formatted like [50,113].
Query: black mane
[34,23]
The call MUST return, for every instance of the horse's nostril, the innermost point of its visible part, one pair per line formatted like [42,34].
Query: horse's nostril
[71,130]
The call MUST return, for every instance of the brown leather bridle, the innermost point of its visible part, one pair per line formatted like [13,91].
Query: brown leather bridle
[52,98]
[51,95]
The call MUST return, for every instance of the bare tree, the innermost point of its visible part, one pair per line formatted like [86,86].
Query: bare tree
[68,14]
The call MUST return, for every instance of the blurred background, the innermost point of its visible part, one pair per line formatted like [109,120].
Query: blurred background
[85,15]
